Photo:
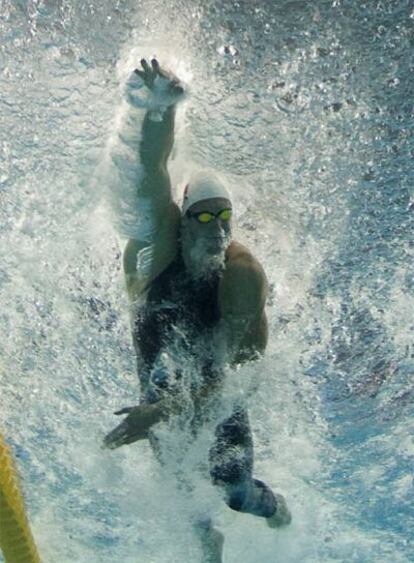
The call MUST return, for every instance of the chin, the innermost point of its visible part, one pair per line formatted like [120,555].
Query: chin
[206,258]
[209,269]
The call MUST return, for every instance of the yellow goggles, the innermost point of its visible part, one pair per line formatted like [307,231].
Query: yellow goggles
[208,216]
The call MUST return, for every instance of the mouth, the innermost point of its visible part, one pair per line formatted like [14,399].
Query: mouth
[215,241]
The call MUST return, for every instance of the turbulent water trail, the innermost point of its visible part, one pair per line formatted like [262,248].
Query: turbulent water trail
[306,110]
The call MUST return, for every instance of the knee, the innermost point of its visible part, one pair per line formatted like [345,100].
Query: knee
[229,471]
[251,496]
[236,498]
[237,495]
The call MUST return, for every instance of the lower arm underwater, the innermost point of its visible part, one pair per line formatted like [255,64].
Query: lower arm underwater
[157,139]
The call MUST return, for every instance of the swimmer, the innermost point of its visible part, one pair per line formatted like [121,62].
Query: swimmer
[205,288]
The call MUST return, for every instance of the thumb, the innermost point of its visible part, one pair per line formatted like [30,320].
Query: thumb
[125,410]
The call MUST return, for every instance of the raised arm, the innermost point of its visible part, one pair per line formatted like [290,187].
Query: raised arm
[141,154]
[158,129]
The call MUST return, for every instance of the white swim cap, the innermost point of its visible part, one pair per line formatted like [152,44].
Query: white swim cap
[202,186]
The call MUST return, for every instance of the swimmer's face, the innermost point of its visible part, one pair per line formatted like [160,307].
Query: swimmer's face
[214,232]
[205,236]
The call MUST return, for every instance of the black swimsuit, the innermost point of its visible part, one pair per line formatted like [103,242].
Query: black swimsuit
[174,300]
[179,309]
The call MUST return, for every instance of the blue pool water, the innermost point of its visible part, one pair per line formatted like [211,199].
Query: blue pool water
[307,109]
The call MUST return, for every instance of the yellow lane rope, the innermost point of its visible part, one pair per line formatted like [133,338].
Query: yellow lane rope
[16,540]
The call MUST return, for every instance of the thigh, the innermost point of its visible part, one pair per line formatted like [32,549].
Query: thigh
[231,457]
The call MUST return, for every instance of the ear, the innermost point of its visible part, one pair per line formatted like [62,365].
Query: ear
[185,195]
[184,227]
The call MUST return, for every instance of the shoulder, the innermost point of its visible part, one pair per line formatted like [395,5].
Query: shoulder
[241,262]
[144,260]
[244,284]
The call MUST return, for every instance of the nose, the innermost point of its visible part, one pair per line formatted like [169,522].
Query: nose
[217,227]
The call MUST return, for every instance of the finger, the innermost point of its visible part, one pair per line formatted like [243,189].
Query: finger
[145,65]
[155,65]
[111,444]
[163,73]
[121,436]
[114,439]
[117,437]
[176,88]
[125,410]
[140,73]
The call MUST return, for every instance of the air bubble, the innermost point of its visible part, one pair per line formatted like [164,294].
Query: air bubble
[229,50]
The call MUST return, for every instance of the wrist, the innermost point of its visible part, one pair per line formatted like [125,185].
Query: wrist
[168,406]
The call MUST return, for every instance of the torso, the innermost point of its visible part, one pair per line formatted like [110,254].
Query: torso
[176,310]
[181,316]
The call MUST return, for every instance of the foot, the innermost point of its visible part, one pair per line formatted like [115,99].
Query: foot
[281,516]
[213,552]
[212,544]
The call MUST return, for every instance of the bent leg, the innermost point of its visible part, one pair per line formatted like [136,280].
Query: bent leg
[231,460]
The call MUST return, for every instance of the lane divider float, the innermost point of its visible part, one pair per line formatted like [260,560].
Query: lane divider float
[16,540]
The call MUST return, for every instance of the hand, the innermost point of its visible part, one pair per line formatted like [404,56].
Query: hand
[170,83]
[136,425]
[164,88]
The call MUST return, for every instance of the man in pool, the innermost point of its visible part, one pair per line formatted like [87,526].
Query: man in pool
[190,285]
